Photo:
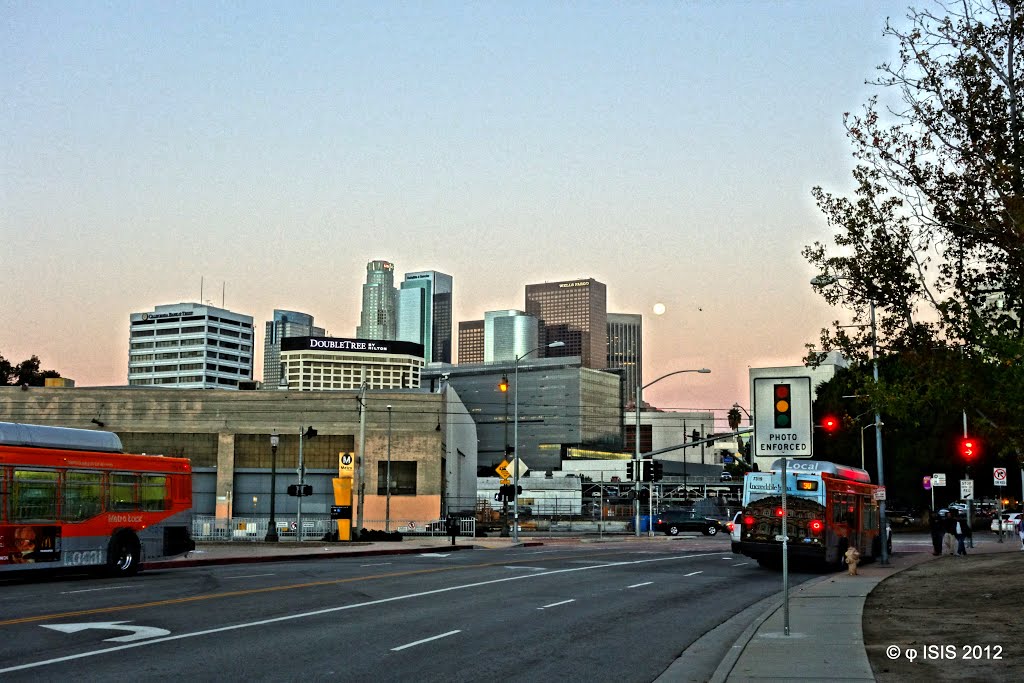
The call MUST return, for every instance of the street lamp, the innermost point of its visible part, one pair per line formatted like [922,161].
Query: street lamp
[824,281]
[636,444]
[862,430]
[515,439]
[387,495]
[272,528]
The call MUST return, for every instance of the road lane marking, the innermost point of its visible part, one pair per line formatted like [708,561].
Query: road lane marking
[637,585]
[693,573]
[245,576]
[300,615]
[532,569]
[376,564]
[90,590]
[425,640]
[556,604]
[741,564]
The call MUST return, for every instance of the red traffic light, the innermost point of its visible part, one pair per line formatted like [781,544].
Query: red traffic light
[830,424]
[969,448]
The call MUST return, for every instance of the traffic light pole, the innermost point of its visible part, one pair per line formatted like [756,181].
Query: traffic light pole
[884,526]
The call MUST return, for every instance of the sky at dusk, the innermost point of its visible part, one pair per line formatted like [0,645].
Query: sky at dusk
[269,150]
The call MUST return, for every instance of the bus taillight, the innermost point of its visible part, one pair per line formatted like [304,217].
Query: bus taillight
[748,521]
[778,512]
[816,526]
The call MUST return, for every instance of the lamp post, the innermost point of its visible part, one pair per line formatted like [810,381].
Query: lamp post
[862,430]
[272,526]
[823,281]
[636,444]
[515,439]
[387,495]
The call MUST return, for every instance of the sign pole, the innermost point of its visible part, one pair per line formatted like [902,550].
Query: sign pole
[785,555]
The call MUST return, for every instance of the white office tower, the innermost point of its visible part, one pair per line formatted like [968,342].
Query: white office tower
[190,346]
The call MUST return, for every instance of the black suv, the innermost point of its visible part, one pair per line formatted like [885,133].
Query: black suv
[674,521]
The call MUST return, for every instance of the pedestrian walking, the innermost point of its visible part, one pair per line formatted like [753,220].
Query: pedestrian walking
[453,527]
[961,530]
[948,531]
[935,523]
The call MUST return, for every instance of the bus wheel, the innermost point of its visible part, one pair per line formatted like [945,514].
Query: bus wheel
[123,555]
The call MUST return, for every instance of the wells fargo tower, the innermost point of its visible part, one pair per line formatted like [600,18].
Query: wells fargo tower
[574,312]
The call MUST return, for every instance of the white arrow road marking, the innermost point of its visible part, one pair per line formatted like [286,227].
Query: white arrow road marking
[425,640]
[138,632]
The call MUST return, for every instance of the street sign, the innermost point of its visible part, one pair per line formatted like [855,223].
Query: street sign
[880,493]
[938,479]
[300,490]
[967,489]
[346,464]
[927,483]
[999,476]
[523,469]
[783,424]
[502,470]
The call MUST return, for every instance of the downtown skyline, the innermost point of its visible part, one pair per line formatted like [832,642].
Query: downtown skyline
[667,151]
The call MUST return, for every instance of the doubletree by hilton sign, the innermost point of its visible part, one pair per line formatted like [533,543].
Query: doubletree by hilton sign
[351,345]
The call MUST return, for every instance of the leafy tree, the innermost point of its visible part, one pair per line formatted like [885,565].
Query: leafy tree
[25,372]
[929,249]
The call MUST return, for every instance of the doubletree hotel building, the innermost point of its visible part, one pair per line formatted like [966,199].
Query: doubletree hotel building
[333,363]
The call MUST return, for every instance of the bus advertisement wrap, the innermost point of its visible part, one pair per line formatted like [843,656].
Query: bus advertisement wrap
[27,544]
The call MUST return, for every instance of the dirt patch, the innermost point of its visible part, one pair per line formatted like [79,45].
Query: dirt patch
[952,619]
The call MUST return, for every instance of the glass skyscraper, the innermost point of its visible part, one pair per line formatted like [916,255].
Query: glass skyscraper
[574,312]
[509,334]
[285,324]
[377,319]
[625,349]
[425,314]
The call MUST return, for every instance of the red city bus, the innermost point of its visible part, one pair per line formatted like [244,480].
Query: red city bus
[830,508]
[70,498]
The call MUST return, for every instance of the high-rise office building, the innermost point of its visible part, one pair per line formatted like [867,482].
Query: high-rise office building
[574,312]
[471,342]
[285,324]
[190,346]
[425,314]
[509,334]
[377,319]
[625,349]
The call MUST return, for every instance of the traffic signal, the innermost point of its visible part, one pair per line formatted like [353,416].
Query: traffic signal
[519,490]
[830,424]
[629,471]
[503,384]
[783,408]
[969,448]
[646,470]
[645,495]
[659,471]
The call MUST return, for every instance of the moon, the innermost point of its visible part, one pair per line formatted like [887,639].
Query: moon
[659,309]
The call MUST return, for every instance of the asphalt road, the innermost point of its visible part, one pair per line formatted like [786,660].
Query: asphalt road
[609,611]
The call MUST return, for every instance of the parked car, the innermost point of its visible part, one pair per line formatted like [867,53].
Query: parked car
[1009,522]
[674,521]
[903,517]
[725,476]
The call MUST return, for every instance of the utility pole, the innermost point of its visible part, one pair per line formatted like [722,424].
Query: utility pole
[360,480]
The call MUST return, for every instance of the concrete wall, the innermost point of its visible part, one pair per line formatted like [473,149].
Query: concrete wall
[227,434]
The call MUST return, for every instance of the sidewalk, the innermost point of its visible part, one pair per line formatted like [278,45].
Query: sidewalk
[242,552]
[825,638]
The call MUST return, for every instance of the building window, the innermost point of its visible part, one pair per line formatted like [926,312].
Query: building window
[403,478]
